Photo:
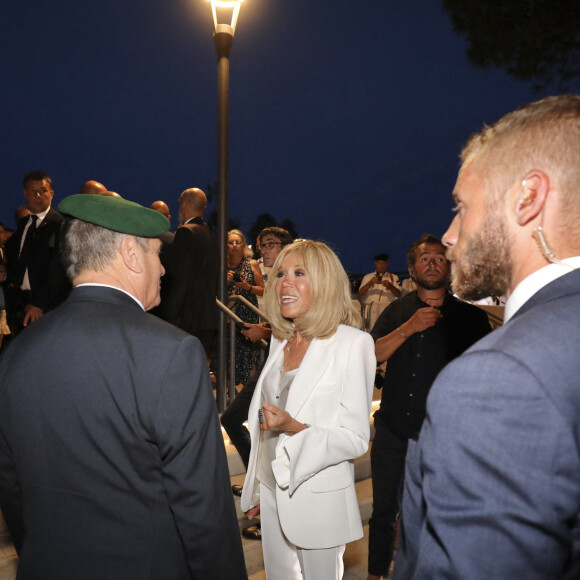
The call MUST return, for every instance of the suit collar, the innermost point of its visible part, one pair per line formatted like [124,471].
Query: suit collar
[194,220]
[567,284]
[50,217]
[103,294]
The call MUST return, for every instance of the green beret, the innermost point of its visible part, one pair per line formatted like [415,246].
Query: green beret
[115,213]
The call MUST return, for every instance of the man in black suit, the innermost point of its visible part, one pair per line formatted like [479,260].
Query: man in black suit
[191,262]
[112,465]
[35,282]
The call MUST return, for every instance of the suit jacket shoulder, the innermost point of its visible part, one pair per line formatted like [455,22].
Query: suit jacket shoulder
[499,451]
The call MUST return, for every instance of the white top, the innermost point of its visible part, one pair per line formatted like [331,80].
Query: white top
[377,292]
[277,383]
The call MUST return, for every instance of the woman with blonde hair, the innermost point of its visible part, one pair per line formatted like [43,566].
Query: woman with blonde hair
[244,279]
[309,417]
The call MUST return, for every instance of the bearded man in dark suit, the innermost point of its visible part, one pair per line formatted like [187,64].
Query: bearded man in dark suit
[191,262]
[112,464]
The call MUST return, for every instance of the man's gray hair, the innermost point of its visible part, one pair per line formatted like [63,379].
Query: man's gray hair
[88,247]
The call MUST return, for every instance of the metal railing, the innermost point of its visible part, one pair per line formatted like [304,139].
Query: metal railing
[226,389]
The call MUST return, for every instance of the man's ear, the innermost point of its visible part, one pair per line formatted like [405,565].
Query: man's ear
[532,197]
[132,254]
[412,273]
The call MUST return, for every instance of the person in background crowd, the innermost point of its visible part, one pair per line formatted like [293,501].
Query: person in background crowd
[418,335]
[493,486]
[191,261]
[112,463]
[408,286]
[35,281]
[94,188]
[21,212]
[4,328]
[378,289]
[163,208]
[244,279]
[380,284]
[309,417]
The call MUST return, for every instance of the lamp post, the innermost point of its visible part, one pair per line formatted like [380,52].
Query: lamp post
[225,16]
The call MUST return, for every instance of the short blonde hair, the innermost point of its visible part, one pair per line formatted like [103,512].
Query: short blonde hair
[543,135]
[330,291]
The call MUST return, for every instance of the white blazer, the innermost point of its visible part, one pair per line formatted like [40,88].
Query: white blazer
[314,469]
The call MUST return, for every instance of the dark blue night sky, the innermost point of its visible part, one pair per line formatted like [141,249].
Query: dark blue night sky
[346,117]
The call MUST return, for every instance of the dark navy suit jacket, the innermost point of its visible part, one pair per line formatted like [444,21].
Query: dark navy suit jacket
[492,489]
[189,287]
[109,440]
[48,283]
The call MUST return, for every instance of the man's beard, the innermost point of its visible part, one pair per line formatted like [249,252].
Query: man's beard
[431,284]
[485,266]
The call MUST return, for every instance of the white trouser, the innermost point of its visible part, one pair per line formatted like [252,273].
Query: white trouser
[283,560]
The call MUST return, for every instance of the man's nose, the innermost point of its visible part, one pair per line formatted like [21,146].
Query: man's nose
[450,236]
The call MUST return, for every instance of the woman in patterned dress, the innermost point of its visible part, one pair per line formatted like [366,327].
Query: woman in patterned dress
[244,279]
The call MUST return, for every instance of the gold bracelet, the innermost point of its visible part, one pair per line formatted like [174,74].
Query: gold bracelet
[402,333]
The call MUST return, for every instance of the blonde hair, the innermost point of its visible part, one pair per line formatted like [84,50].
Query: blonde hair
[544,135]
[247,252]
[331,303]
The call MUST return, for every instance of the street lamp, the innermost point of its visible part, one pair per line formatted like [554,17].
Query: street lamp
[225,16]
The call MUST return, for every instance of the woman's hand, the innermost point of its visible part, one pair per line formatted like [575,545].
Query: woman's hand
[252,513]
[279,420]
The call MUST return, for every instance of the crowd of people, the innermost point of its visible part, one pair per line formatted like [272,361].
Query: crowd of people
[112,463]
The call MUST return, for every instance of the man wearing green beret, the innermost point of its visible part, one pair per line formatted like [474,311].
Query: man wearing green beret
[112,463]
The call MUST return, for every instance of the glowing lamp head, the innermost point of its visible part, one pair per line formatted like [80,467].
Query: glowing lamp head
[225,15]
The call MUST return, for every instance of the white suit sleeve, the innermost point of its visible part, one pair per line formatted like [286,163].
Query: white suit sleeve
[304,454]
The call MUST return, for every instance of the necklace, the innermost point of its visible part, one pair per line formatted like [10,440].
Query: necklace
[429,300]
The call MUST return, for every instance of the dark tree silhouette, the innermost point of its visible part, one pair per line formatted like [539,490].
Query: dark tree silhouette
[533,40]
[289,226]
[265,220]
[211,216]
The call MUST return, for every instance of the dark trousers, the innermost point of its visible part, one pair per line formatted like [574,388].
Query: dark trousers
[388,470]
[234,416]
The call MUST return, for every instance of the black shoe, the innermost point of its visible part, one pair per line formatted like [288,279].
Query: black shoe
[253,532]
[237,490]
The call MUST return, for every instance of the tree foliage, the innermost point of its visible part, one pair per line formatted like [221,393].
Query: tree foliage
[265,220]
[533,40]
